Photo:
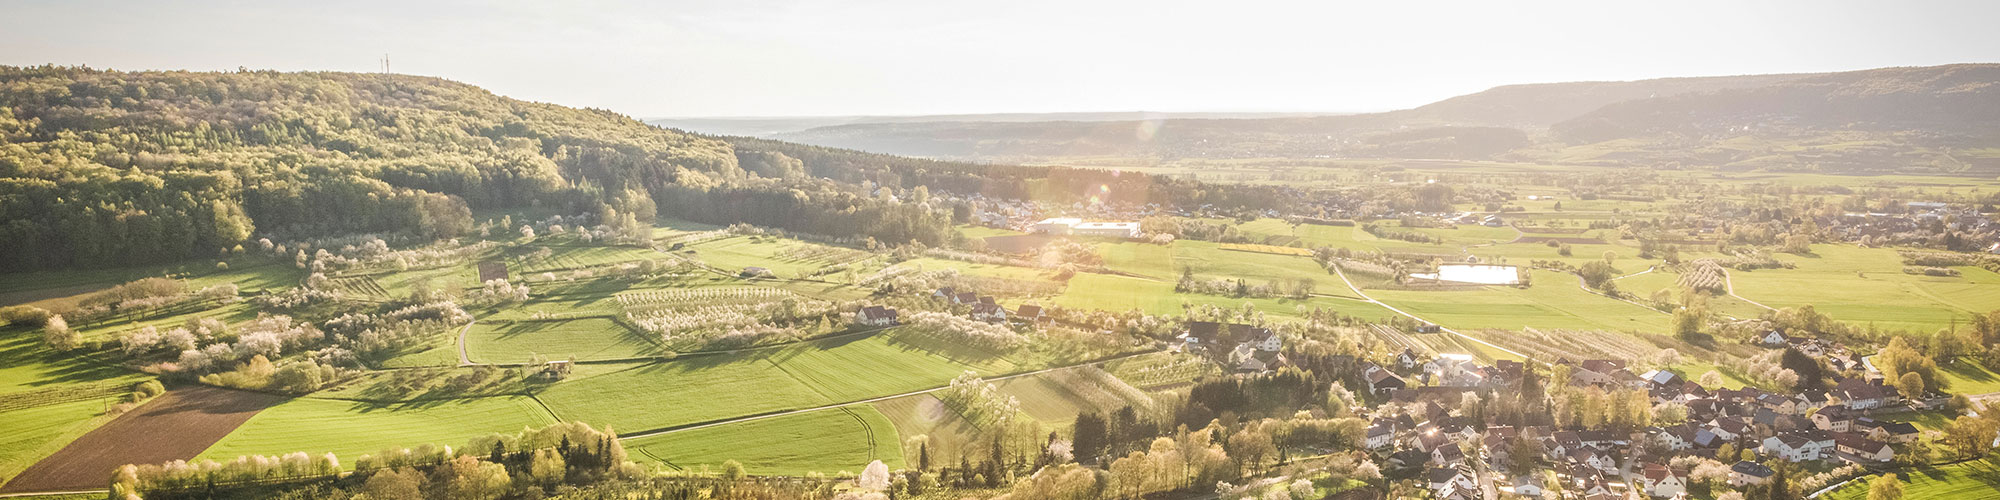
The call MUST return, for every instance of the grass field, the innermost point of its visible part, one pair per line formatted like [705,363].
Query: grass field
[591,338]
[1969,480]
[1866,286]
[1119,293]
[1057,397]
[1967,377]
[781,256]
[1553,302]
[922,414]
[695,389]
[351,429]
[826,441]
[37,432]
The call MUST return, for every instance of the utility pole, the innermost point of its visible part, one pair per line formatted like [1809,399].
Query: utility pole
[385,63]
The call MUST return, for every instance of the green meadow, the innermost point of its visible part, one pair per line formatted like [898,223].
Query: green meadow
[828,441]
[352,428]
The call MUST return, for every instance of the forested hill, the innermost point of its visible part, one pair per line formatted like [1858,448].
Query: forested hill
[105,168]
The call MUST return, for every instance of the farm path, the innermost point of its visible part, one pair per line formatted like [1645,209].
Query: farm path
[1586,288]
[1648,270]
[464,360]
[1729,281]
[1372,300]
[871,400]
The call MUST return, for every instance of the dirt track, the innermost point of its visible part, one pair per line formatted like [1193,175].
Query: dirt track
[176,426]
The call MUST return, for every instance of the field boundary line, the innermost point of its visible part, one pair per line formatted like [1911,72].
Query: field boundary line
[1729,280]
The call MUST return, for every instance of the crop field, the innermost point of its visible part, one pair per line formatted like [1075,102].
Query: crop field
[574,256]
[1866,286]
[700,388]
[1554,302]
[1144,259]
[1975,479]
[1119,293]
[1057,397]
[826,441]
[785,258]
[175,426]
[976,269]
[1270,249]
[1211,260]
[860,367]
[1161,370]
[584,338]
[34,433]
[352,428]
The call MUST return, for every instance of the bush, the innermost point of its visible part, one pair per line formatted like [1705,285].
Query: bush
[28,316]
[149,388]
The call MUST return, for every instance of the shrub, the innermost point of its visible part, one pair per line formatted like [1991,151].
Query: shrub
[149,388]
[28,316]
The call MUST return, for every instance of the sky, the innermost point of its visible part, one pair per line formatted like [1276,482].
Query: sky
[910,57]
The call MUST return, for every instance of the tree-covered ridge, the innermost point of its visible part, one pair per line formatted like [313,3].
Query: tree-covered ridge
[101,167]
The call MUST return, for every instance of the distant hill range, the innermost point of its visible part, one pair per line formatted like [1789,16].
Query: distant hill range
[1940,119]
[765,126]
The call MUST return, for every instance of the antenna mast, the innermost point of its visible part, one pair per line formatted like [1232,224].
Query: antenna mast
[385,63]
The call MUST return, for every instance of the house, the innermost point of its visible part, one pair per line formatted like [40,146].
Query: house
[1863,448]
[1448,366]
[1594,459]
[1442,478]
[1265,340]
[964,298]
[1677,438]
[1747,473]
[1202,335]
[1031,313]
[991,313]
[1773,339]
[1407,359]
[876,316]
[1661,378]
[1801,446]
[1448,455]
[1661,481]
[1528,485]
[1381,434]
[1380,380]
[1862,394]
[1894,432]
[1834,418]
[1427,327]
[945,293]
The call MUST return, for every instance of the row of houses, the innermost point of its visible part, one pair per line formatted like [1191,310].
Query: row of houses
[986,308]
[1247,348]
[1814,425]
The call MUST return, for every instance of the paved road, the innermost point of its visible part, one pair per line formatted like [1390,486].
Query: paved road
[1371,300]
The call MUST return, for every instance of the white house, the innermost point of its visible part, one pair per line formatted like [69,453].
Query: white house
[876,316]
[1660,481]
[1799,446]
[991,313]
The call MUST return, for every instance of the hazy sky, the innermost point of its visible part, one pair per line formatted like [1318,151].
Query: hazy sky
[768,57]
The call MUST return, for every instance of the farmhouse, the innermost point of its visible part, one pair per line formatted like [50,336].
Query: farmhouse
[876,316]
[989,312]
[1031,313]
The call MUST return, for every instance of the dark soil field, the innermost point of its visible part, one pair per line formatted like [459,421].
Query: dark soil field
[176,426]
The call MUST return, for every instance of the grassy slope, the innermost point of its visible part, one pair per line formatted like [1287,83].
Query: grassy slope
[351,429]
[585,338]
[1867,286]
[1977,479]
[1554,302]
[827,441]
